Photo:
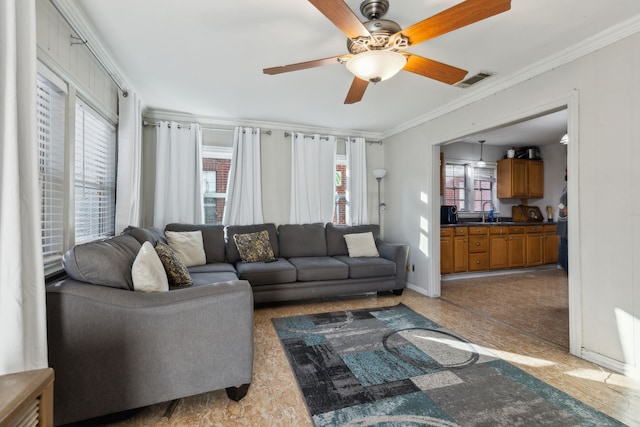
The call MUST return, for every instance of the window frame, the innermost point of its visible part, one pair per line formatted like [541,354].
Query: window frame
[215,152]
[470,192]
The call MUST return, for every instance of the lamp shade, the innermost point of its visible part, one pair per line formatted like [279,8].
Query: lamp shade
[376,65]
[379,173]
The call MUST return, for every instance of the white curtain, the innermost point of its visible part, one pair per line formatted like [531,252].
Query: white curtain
[129,162]
[244,186]
[357,181]
[178,193]
[22,294]
[313,171]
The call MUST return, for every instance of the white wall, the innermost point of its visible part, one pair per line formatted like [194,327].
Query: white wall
[74,63]
[603,175]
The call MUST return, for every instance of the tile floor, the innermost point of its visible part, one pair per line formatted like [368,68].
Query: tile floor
[522,318]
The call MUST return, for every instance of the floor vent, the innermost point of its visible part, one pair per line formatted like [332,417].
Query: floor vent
[474,79]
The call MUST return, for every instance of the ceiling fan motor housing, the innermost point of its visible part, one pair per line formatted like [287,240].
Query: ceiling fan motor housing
[374,9]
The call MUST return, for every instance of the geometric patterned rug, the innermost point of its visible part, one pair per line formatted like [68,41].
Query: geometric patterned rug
[391,366]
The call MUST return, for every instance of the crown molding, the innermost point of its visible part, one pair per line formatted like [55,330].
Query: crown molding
[80,23]
[570,54]
[152,114]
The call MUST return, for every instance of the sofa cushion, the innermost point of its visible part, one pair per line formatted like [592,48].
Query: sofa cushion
[188,246]
[254,247]
[152,234]
[212,239]
[319,268]
[361,244]
[148,272]
[302,240]
[103,262]
[336,244]
[216,267]
[364,267]
[233,256]
[177,272]
[208,278]
[267,273]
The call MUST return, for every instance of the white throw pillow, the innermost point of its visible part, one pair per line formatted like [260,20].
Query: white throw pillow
[147,271]
[188,245]
[361,244]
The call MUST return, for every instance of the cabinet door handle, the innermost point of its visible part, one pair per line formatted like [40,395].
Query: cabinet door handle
[477,243]
[478,262]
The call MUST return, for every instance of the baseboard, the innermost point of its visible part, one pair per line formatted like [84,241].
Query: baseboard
[611,364]
[419,290]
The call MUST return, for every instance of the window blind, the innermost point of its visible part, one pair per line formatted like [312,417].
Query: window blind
[95,175]
[50,133]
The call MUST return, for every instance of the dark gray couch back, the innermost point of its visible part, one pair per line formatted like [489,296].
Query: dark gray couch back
[298,240]
[336,245]
[212,238]
[103,262]
[233,256]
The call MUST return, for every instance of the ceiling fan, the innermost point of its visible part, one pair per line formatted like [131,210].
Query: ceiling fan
[377,47]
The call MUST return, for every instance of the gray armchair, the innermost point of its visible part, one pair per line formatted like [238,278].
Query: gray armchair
[114,349]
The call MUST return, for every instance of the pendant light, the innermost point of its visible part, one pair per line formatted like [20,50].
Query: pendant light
[481,163]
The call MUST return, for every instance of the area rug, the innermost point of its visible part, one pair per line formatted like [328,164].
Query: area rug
[393,367]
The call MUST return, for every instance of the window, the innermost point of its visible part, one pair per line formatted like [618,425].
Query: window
[50,112]
[455,186]
[483,187]
[468,187]
[95,175]
[216,162]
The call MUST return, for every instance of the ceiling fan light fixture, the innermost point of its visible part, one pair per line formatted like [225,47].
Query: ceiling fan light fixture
[376,65]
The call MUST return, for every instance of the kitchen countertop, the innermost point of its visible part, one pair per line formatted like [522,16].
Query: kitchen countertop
[493,224]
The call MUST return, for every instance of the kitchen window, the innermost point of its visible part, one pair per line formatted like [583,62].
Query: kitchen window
[468,187]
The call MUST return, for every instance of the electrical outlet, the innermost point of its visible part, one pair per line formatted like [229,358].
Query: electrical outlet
[408,267]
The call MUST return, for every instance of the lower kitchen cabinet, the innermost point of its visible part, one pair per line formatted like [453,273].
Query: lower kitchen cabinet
[497,247]
[446,250]
[517,247]
[460,250]
[550,244]
[535,246]
[478,248]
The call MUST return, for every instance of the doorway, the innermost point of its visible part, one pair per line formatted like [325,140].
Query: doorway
[569,327]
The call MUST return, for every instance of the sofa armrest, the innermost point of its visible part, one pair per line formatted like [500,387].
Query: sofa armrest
[399,254]
[114,349]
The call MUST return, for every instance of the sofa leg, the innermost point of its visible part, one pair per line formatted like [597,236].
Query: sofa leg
[237,393]
[398,291]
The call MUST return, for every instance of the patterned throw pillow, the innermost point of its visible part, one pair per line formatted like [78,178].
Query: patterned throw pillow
[254,247]
[177,272]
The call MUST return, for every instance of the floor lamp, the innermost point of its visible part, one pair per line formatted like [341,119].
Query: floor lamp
[378,174]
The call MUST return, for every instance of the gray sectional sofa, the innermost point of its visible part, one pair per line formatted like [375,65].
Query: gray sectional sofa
[113,349]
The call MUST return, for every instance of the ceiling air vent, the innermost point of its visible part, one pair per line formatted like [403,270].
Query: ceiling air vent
[474,79]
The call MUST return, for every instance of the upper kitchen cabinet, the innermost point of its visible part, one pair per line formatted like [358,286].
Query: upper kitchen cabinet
[520,178]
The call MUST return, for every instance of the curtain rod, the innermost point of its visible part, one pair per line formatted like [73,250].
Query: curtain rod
[288,134]
[154,124]
[85,42]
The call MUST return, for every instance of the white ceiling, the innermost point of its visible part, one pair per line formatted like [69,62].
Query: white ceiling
[205,57]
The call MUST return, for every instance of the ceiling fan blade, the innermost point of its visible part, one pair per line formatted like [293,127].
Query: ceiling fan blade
[356,91]
[458,16]
[342,17]
[434,69]
[303,65]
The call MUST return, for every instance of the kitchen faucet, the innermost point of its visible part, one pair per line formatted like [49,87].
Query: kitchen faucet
[491,205]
